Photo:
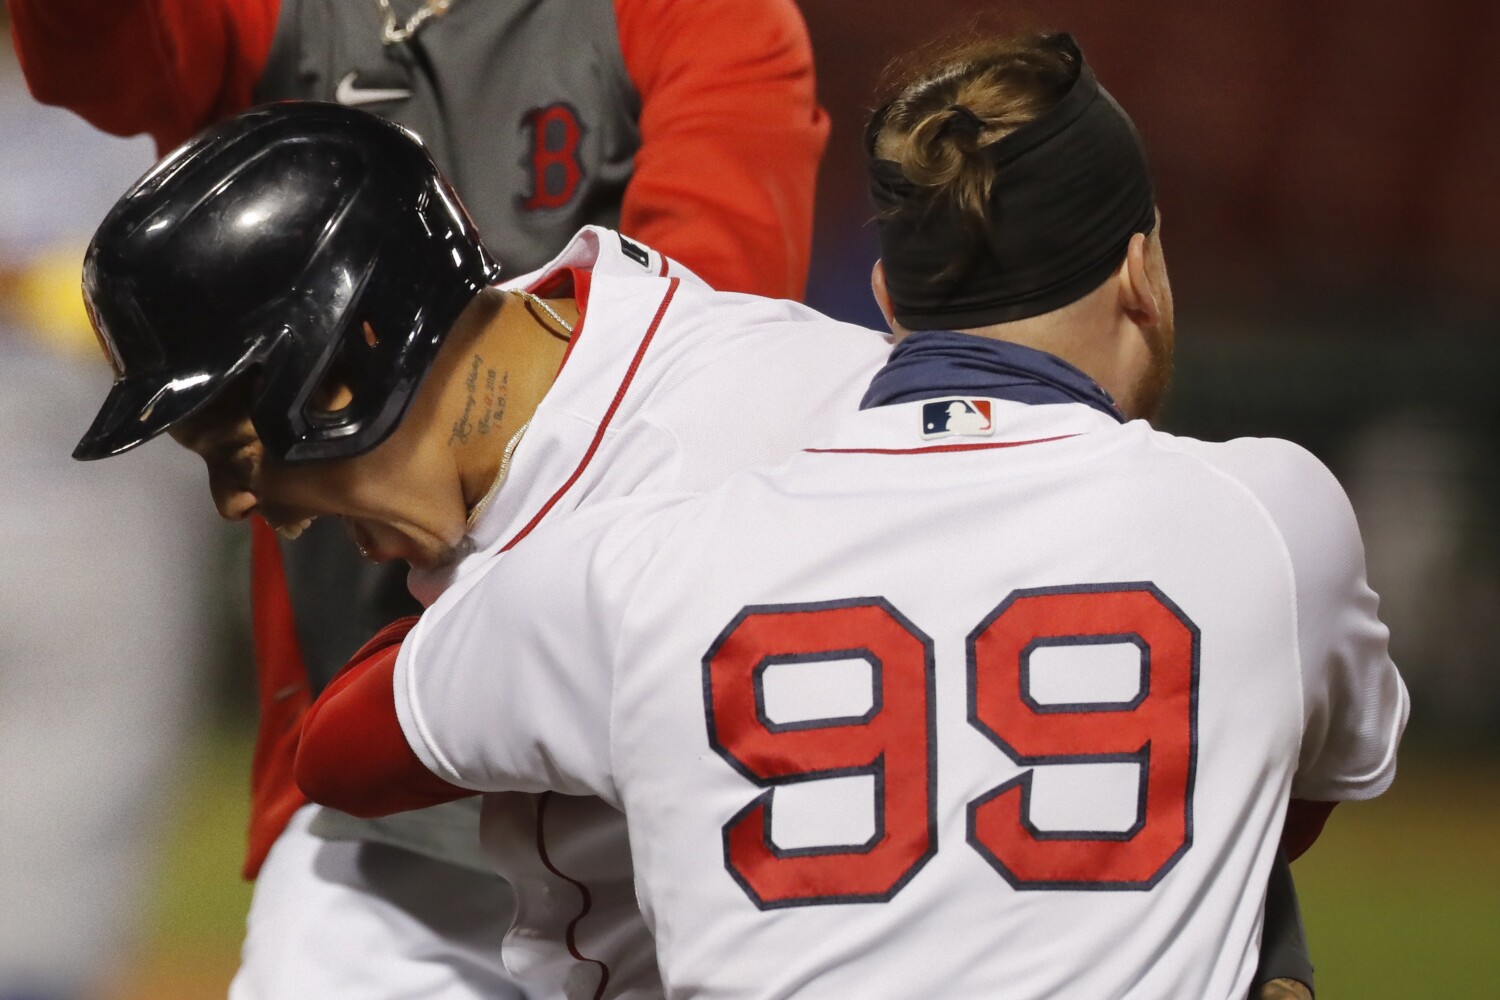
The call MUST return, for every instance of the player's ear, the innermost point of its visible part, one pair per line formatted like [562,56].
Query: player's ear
[1137,296]
[883,300]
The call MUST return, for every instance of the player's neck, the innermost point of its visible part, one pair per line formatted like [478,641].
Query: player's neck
[1083,333]
[498,363]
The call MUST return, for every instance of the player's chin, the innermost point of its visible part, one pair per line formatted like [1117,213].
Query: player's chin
[381,545]
[418,549]
[438,556]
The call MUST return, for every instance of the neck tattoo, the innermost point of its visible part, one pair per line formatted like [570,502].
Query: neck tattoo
[510,446]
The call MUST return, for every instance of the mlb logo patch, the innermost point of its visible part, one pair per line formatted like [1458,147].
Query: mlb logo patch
[956,416]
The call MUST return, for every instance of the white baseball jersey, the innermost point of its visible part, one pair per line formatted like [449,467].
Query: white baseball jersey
[1014,712]
[668,385]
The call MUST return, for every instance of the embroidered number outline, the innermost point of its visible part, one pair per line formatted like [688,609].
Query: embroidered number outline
[892,742]
[1156,730]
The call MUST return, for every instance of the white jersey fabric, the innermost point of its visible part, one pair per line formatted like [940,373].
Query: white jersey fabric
[1010,713]
[667,386]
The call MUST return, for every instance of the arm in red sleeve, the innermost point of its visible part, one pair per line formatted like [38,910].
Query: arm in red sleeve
[1304,823]
[731,136]
[162,67]
[353,755]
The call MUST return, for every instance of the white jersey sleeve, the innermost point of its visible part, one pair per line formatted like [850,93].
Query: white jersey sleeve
[506,682]
[1354,702]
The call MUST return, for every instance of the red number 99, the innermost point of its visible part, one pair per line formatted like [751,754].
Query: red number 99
[895,741]
[892,742]
[1155,729]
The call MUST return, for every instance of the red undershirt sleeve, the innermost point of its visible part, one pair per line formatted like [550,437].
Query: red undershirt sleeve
[731,136]
[353,755]
[1304,823]
[166,68]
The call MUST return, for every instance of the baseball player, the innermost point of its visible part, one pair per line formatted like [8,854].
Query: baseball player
[299,297]
[992,691]
[691,125]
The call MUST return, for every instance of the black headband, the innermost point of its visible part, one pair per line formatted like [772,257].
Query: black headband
[1070,189]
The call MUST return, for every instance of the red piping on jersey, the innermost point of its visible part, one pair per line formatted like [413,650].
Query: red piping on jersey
[635,364]
[663,272]
[588,898]
[932,449]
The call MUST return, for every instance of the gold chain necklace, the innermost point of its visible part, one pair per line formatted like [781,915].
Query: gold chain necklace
[510,446]
[532,300]
[394,33]
[484,501]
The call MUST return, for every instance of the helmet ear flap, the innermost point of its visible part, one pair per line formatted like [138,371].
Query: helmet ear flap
[280,395]
[333,393]
[341,385]
[317,404]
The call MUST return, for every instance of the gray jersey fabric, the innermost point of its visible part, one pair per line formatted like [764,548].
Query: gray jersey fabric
[479,79]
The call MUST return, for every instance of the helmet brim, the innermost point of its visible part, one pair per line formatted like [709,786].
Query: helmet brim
[138,409]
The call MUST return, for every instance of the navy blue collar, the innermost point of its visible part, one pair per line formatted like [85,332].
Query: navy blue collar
[935,363]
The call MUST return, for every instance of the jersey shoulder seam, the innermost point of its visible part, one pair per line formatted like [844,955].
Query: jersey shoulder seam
[1168,443]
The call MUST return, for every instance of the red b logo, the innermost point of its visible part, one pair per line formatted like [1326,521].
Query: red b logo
[555,167]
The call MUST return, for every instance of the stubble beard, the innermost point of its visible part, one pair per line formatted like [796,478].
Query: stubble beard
[1150,390]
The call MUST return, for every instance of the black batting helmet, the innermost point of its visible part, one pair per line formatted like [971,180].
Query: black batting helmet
[289,239]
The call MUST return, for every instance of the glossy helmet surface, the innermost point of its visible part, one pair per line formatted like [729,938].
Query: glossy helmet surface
[286,241]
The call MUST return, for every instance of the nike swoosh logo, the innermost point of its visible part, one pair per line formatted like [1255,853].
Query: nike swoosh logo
[351,96]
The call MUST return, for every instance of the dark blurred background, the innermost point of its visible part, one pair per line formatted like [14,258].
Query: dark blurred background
[1328,174]
[1329,178]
